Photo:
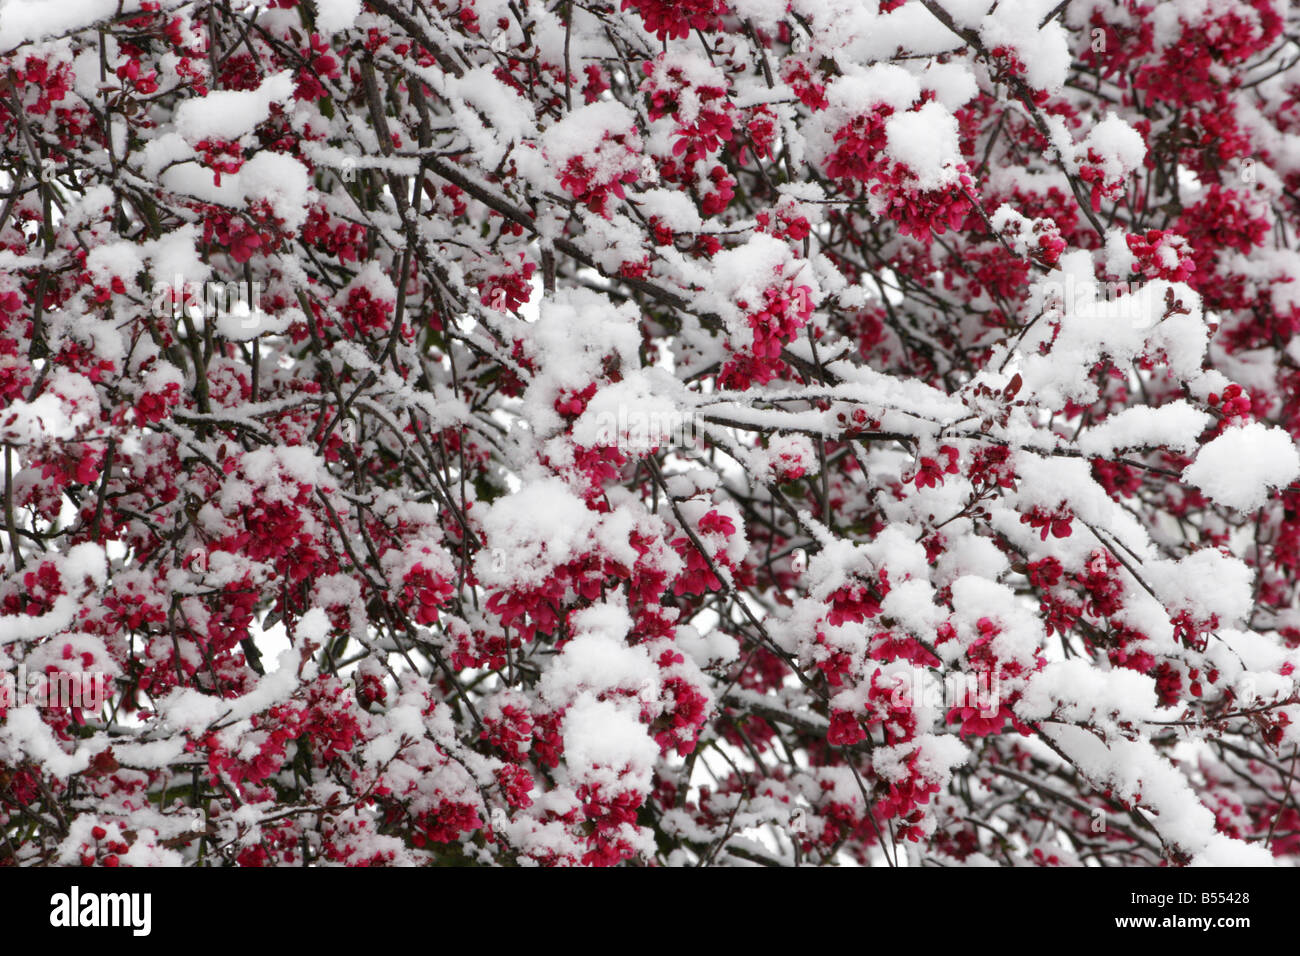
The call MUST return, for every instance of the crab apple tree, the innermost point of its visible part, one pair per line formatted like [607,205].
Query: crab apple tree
[727,432]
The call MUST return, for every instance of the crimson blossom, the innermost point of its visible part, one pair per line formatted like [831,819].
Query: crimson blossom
[722,432]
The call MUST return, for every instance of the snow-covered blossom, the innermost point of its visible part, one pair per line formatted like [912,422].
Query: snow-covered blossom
[562,434]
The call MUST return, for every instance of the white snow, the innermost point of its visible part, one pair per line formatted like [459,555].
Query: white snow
[600,733]
[925,140]
[335,15]
[22,21]
[1241,466]
[230,114]
[540,527]
[1176,425]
